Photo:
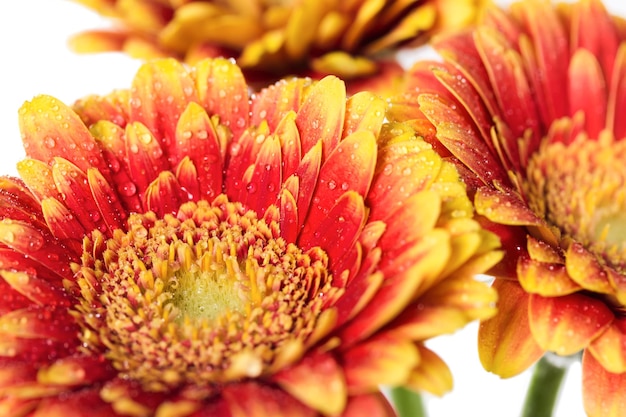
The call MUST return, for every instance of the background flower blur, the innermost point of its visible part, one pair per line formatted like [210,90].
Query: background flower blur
[33,39]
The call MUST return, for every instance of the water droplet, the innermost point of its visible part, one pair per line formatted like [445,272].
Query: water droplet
[406,171]
[251,188]
[332,184]
[222,93]
[128,189]
[134,148]
[388,169]
[315,124]
[49,142]
[345,186]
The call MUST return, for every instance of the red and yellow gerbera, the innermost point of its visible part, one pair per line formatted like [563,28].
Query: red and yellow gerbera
[529,105]
[182,248]
[277,38]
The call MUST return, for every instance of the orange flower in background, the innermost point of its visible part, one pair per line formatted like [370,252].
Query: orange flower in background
[529,105]
[277,38]
[184,249]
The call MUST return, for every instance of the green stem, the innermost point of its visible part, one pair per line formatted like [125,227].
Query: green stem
[545,385]
[407,403]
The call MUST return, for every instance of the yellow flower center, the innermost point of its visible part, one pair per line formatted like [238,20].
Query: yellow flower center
[210,295]
[580,189]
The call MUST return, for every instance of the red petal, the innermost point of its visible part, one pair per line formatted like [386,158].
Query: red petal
[61,221]
[350,167]
[253,399]
[82,403]
[505,207]
[38,290]
[38,177]
[603,391]
[617,96]
[51,129]
[569,323]
[243,152]
[307,176]
[372,405]
[223,91]
[382,360]
[265,181]
[73,185]
[113,214]
[317,381]
[40,322]
[289,228]
[322,114]
[160,92]
[272,103]
[505,345]
[164,195]
[289,136]
[144,152]
[197,139]
[588,91]
[338,231]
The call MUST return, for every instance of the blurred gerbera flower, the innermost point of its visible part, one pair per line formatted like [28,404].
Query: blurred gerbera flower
[530,105]
[277,38]
[182,248]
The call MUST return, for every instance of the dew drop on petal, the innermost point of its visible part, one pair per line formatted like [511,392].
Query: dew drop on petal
[332,184]
[128,189]
[388,169]
[345,186]
[251,188]
[49,142]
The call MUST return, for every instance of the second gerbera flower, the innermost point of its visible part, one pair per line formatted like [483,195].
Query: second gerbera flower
[180,248]
[530,105]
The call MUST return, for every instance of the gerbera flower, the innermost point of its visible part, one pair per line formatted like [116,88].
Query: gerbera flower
[528,104]
[182,248]
[276,38]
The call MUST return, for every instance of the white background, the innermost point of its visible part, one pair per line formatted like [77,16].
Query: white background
[35,60]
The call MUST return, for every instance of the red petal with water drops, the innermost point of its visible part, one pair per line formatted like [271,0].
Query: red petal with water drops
[322,114]
[289,137]
[112,138]
[289,228]
[253,399]
[197,140]
[37,290]
[504,206]
[274,102]
[73,185]
[317,381]
[113,108]
[603,391]
[51,322]
[38,177]
[338,230]
[144,154]
[462,138]
[265,180]
[349,167]
[164,195]
[506,346]
[222,90]
[62,222]
[160,92]
[307,176]
[545,279]
[587,91]
[111,210]
[37,245]
[241,156]
[50,130]
[567,324]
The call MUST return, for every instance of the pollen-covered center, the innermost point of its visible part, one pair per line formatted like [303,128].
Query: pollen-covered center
[207,296]
[580,188]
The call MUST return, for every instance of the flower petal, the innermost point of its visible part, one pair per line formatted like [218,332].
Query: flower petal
[266,177]
[587,91]
[39,291]
[382,360]
[321,116]
[431,375]
[253,399]
[545,279]
[317,381]
[223,91]
[584,268]
[144,156]
[107,201]
[569,323]
[364,111]
[609,349]
[164,195]
[160,92]
[372,405]
[505,345]
[504,207]
[603,391]
[46,138]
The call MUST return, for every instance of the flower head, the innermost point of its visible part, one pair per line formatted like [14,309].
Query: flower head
[182,248]
[277,38]
[528,104]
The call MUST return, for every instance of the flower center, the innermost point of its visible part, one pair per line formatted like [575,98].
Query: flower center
[580,188]
[210,295]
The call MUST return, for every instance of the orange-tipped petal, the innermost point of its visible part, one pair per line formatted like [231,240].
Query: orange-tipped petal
[569,323]
[264,184]
[318,382]
[164,194]
[505,344]
[603,391]
[432,374]
[144,154]
[107,200]
[546,279]
[504,207]
[372,405]
[364,111]
[609,349]
[382,360]
[322,114]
